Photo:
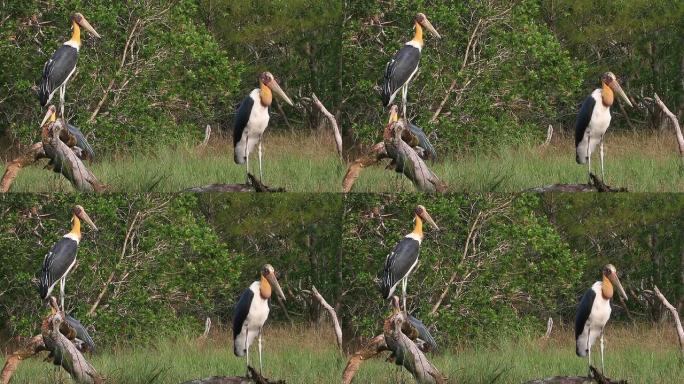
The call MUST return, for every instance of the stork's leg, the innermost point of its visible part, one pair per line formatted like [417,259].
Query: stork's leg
[62,285]
[603,175]
[261,174]
[404,282]
[62,91]
[247,158]
[603,367]
[247,349]
[589,349]
[261,367]
[589,158]
[404,92]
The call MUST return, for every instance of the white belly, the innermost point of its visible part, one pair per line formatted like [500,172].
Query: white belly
[593,328]
[598,125]
[258,314]
[251,136]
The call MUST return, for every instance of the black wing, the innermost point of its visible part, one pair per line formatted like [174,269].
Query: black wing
[399,70]
[423,141]
[398,263]
[56,71]
[241,119]
[241,311]
[81,142]
[56,263]
[583,311]
[423,332]
[81,332]
[583,118]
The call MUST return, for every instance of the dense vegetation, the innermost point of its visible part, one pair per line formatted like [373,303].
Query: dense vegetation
[160,264]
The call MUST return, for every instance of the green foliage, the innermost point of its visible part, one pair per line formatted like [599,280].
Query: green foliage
[174,78]
[517,78]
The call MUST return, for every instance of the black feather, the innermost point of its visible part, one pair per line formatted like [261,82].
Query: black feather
[583,118]
[56,71]
[57,263]
[399,70]
[242,118]
[583,311]
[241,311]
[399,263]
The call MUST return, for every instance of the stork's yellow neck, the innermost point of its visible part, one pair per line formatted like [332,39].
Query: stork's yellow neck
[607,288]
[607,95]
[418,36]
[394,117]
[264,288]
[75,226]
[76,33]
[265,94]
[418,229]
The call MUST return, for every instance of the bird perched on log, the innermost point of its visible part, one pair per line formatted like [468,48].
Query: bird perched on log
[415,137]
[593,120]
[593,313]
[61,258]
[72,136]
[62,65]
[415,329]
[73,329]
[400,70]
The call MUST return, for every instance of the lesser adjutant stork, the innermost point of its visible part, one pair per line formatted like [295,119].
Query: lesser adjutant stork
[404,257]
[73,329]
[251,312]
[404,65]
[61,258]
[62,65]
[594,118]
[593,312]
[72,136]
[414,136]
[252,119]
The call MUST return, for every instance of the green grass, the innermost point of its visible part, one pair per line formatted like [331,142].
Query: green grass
[307,356]
[639,163]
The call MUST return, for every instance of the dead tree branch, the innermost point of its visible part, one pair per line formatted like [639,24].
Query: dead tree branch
[376,346]
[254,186]
[675,316]
[376,153]
[596,185]
[333,315]
[333,124]
[253,377]
[35,153]
[32,348]
[675,124]
[597,378]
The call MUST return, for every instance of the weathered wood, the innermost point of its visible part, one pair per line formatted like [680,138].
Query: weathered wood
[333,124]
[596,185]
[32,348]
[376,153]
[376,346]
[675,316]
[66,161]
[254,185]
[35,153]
[333,315]
[675,124]
[253,377]
[407,160]
[596,378]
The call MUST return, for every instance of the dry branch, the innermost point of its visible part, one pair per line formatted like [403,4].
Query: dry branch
[333,124]
[597,378]
[376,346]
[333,315]
[34,153]
[254,186]
[675,315]
[253,377]
[32,348]
[596,185]
[675,124]
[376,153]
[207,135]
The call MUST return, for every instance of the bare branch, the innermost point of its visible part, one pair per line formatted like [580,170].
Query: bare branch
[675,124]
[34,153]
[333,124]
[333,316]
[675,316]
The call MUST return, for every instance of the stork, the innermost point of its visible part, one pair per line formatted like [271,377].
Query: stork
[404,257]
[61,258]
[252,119]
[415,137]
[251,312]
[72,136]
[59,68]
[594,118]
[423,338]
[404,65]
[593,313]
[73,329]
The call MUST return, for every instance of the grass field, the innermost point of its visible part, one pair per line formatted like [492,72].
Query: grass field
[307,356]
[310,164]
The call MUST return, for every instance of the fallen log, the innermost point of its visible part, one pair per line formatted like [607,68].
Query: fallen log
[32,348]
[373,157]
[253,377]
[35,153]
[596,378]
[375,347]
[254,185]
[595,185]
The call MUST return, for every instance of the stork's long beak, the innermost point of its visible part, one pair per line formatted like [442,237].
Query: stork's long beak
[615,86]
[394,115]
[84,216]
[616,282]
[51,111]
[274,283]
[279,91]
[85,24]
[428,25]
[426,216]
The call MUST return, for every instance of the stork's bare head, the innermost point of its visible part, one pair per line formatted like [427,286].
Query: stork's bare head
[421,212]
[270,81]
[81,214]
[610,272]
[610,80]
[424,22]
[268,273]
[81,20]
